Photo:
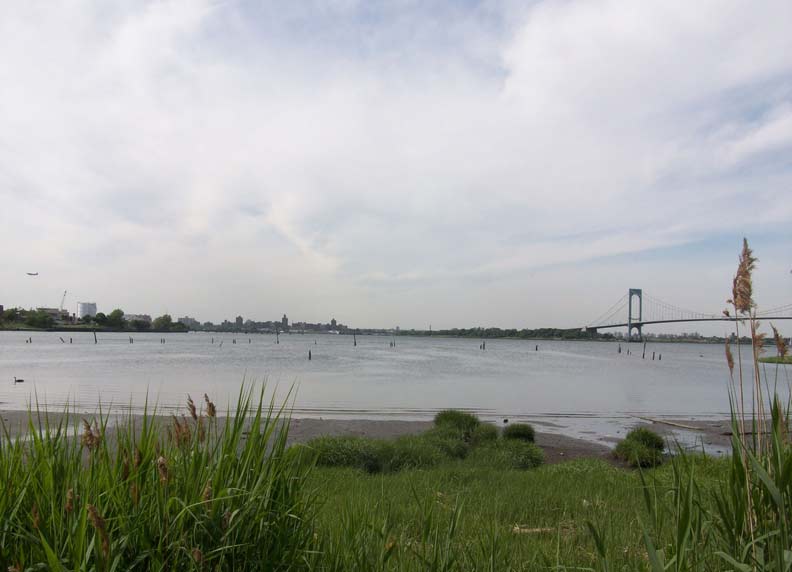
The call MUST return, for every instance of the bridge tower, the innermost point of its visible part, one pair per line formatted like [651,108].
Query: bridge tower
[632,322]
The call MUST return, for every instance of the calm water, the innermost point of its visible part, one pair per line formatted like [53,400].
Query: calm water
[577,386]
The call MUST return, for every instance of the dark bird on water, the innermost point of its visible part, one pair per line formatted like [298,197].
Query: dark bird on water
[17,380]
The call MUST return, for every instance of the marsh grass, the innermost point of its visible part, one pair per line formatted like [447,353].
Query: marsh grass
[452,438]
[521,431]
[198,494]
[641,447]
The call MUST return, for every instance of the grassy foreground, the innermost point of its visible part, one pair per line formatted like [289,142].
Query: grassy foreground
[464,516]
[205,493]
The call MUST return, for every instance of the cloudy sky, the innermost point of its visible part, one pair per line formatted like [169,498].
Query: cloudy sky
[458,163]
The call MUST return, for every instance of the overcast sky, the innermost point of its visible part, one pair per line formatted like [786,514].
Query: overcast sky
[514,164]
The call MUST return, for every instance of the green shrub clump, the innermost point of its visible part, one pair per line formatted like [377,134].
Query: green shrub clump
[641,447]
[509,454]
[464,422]
[413,452]
[484,433]
[450,440]
[375,455]
[521,431]
[357,452]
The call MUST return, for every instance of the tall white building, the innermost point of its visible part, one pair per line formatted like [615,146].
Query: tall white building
[86,309]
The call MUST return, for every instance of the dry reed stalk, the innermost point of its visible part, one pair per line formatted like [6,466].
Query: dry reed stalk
[162,469]
[191,407]
[125,466]
[742,302]
[780,342]
[211,411]
[69,501]
[90,437]
[101,528]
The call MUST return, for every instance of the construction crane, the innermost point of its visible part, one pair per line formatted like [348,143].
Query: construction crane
[63,299]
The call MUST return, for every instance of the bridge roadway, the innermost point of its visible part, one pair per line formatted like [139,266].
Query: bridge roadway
[722,319]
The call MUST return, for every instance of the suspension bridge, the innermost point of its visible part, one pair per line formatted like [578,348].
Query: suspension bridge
[637,309]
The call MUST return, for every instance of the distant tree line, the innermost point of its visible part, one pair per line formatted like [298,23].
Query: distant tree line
[539,333]
[115,320]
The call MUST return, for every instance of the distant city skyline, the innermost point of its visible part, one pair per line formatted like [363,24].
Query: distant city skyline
[479,163]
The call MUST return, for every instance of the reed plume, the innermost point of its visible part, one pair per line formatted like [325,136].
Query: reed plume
[90,438]
[100,526]
[211,411]
[780,342]
[69,501]
[742,285]
[162,469]
[191,407]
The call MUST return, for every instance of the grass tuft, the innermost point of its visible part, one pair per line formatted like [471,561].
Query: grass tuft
[521,431]
[508,454]
[641,447]
[465,422]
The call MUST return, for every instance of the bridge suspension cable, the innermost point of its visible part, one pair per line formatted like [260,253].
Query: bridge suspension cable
[785,310]
[607,317]
[657,309]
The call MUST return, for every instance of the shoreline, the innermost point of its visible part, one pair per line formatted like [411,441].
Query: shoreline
[710,435]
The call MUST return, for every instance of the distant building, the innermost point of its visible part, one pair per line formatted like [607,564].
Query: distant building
[284,322]
[333,324]
[191,323]
[239,322]
[86,309]
[1,309]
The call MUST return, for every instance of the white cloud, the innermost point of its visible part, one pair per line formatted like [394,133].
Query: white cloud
[318,159]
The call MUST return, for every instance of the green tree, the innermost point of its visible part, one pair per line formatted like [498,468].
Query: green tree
[164,322]
[11,315]
[140,325]
[86,319]
[116,318]
[101,319]
[39,319]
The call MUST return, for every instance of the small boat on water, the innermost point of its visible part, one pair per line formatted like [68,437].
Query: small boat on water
[17,380]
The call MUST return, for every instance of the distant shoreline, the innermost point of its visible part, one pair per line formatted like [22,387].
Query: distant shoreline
[84,330]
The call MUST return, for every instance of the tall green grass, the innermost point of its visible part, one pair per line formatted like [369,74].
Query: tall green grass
[200,494]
